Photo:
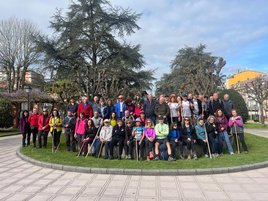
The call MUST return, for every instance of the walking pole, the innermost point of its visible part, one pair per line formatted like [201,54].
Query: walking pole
[100,150]
[237,142]
[57,147]
[93,141]
[52,141]
[209,152]
[137,153]
[81,149]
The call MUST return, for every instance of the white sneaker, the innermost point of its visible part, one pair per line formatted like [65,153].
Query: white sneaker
[232,153]
[206,155]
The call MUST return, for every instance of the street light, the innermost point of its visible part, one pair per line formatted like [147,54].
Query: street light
[28,90]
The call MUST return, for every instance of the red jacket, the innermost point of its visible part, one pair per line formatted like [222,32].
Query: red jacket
[33,120]
[41,123]
[88,110]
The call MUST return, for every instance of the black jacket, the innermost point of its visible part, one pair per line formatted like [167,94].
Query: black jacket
[215,105]
[211,130]
[184,135]
[119,132]
[148,108]
[90,132]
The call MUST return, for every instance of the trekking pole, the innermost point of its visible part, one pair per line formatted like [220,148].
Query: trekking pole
[137,153]
[209,152]
[93,141]
[57,148]
[100,150]
[52,141]
[237,142]
[81,148]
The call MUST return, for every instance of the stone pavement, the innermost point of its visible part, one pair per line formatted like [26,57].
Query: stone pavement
[20,180]
[258,132]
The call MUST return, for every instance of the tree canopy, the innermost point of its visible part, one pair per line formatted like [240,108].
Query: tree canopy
[193,70]
[88,49]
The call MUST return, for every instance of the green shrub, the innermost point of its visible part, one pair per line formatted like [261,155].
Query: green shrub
[238,102]
[6,119]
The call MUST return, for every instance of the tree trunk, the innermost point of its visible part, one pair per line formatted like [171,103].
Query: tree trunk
[261,113]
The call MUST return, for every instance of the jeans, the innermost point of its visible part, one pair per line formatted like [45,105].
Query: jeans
[218,144]
[173,146]
[70,141]
[43,134]
[224,135]
[132,145]
[121,146]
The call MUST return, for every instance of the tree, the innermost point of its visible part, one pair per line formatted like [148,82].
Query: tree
[6,119]
[257,90]
[194,70]
[88,48]
[17,50]
[238,101]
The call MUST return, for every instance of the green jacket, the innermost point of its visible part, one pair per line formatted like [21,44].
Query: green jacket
[161,131]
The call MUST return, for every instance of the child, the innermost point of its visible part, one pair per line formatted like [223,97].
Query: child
[150,139]
[174,137]
[237,126]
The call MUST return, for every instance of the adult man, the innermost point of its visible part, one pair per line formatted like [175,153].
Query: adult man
[69,125]
[96,105]
[215,104]
[96,119]
[148,108]
[127,116]
[162,131]
[228,106]
[120,107]
[161,108]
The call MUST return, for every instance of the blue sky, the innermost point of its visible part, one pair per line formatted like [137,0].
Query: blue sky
[236,30]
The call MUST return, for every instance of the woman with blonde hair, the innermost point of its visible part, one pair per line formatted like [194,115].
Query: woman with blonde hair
[150,138]
[174,109]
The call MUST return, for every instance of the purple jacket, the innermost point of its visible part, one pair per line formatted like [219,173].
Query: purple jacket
[150,133]
[24,124]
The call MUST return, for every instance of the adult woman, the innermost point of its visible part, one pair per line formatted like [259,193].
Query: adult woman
[174,109]
[25,128]
[222,124]
[149,138]
[55,124]
[213,136]
[113,119]
[33,120]
[90,134]
[80,129]
[43,128]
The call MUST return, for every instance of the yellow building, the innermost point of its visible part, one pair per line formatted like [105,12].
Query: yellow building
[240,77]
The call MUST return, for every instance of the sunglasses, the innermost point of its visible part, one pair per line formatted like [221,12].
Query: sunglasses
[186,120]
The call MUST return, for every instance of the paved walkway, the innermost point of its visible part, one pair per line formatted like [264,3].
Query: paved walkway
[20,180]
[258,132]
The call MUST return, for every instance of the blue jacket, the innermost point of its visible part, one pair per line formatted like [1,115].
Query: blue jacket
[117,109]
[174,134]
[200,132]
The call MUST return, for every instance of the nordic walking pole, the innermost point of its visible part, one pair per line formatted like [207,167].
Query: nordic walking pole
[81,149]
[237,142]
[97,134]
[52,141]
[137,153]
[209,152]
[100,150]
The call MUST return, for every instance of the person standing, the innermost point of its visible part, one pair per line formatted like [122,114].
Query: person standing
[69,125]
[80,129]
[103,109]
[33,120]
[72,107]
[174,109]
[148,108]
[25,128]
[237,126]
[161,109]
[110,107]
[43,128]
[228,106]
[128,139]
[120,107]
[118,136]
[222,125]
[215,104]
[55,124]
[85,107]
[186,108]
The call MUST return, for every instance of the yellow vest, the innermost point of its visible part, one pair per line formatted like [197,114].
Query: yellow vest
[58,124]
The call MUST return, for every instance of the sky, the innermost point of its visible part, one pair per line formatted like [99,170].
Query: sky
[236,30]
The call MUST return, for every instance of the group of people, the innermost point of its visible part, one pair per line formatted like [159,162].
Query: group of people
[145,129]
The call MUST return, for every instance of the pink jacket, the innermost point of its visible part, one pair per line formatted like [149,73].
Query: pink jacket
[150,132]
[238,121]
[80,127]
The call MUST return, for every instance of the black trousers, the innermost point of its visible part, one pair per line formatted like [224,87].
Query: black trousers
[114,141]
[149,146]
[126,147]
[26,135]
[204,145]
[56,137]
[241,137]
[173,146]
[132,145]
[42,134]
[107,148]
[70,141]
[34,132]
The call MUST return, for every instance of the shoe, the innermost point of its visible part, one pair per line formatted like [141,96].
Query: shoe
[129,156]
[181,157]
[148,158]
[206,156]
[156,158]
[110,157]
[246,152]
[195,157]
[232,153]
[119,158]
[151,154]
[221,154]
[171,158]
[189,157]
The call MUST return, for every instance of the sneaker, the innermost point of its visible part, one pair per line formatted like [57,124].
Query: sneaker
[148,158]
[129,156]
[156,158]
[195,157]
[246,152]
[206,156]
[221,154]
[189,157]
[151,154]
[232,153]
[171,158]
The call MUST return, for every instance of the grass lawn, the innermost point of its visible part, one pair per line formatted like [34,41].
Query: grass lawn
[257,153]
[14,131]
[256,125]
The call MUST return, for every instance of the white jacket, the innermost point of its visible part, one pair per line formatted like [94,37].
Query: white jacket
[106,133]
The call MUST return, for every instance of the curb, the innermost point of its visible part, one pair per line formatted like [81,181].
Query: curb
[160,172]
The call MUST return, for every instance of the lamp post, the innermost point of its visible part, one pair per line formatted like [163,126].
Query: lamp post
[28,90]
